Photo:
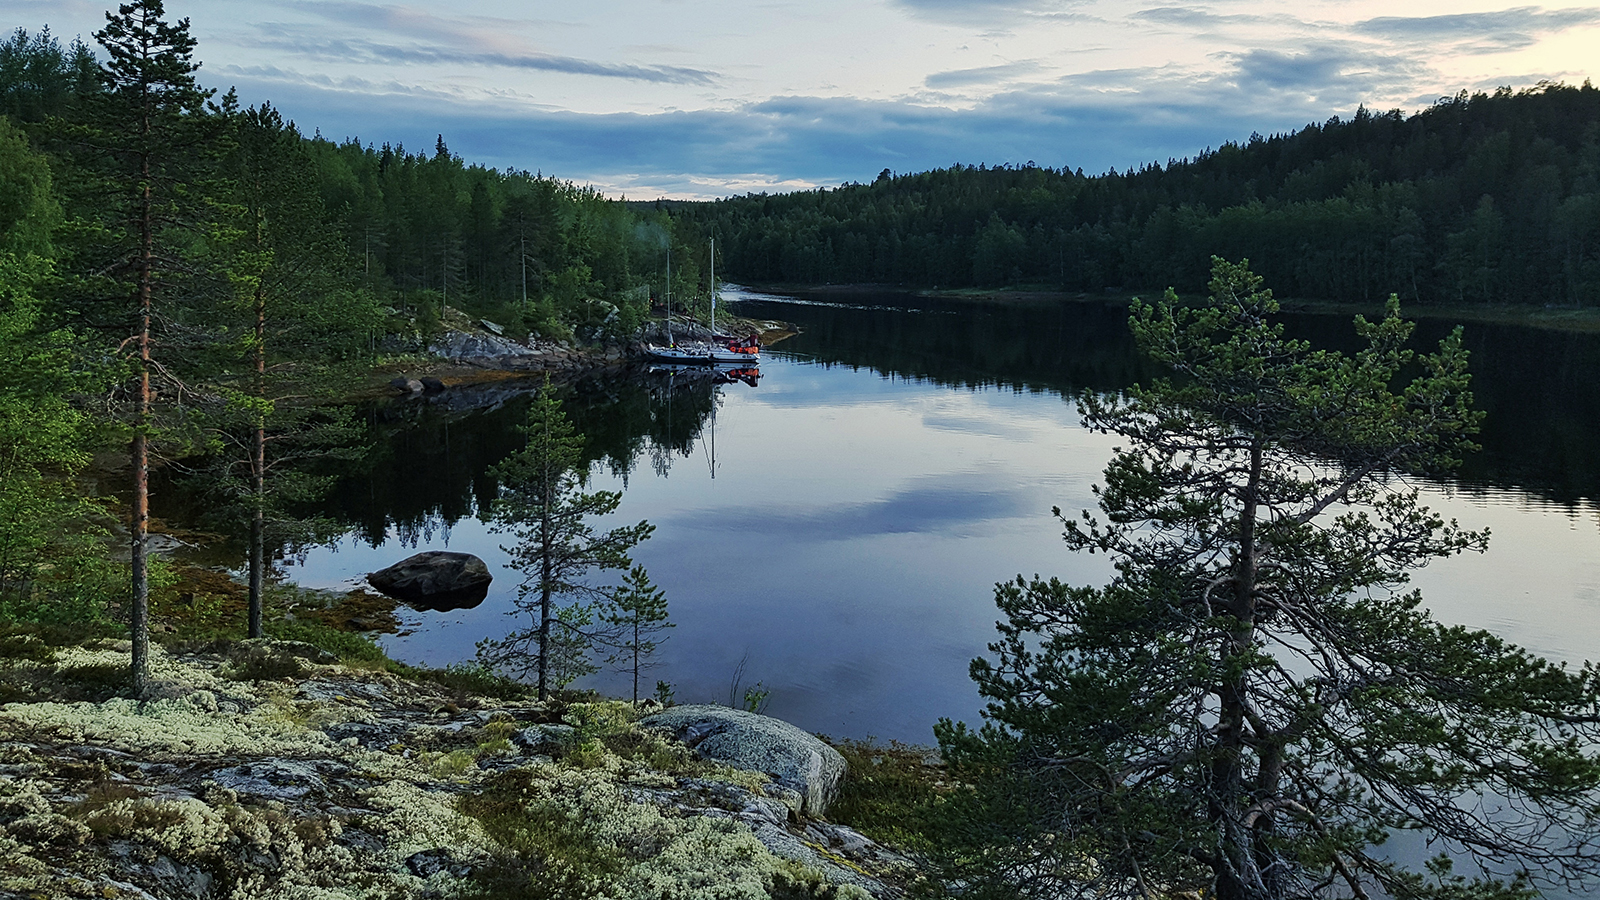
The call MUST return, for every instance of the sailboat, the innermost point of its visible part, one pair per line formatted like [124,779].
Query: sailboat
[720,350]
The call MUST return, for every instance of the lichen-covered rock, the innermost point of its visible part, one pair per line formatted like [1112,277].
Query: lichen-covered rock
[745,740]
[486,350]
[360,784]
[545,738]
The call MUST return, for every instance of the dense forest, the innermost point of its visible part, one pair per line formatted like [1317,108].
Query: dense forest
[1481,198]
[188,287]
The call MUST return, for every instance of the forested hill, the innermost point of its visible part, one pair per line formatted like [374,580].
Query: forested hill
[1480,198]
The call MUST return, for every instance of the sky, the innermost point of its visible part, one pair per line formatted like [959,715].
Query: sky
[671,98]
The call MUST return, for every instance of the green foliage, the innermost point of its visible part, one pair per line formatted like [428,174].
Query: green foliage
[349,646]
[638,612]
[756,698]
[29,212]
[47,528]
[890,793]
[542,503]
[39,78]
[1254,702]
[1480,198]
[470,679]
[555,857]
[664,693]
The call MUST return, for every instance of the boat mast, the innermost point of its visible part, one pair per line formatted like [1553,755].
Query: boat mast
[713,269]
[670,342]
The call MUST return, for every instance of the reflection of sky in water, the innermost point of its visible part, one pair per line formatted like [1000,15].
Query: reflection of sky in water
[849,544]
[851,539]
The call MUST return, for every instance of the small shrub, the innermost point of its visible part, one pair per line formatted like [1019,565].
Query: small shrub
[23,646]
[94,683]
[348,646]
[470,679]
[889,792]
[545,853]
[263,667]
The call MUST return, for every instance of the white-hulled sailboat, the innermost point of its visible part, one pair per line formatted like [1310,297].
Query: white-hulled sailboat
[721,349]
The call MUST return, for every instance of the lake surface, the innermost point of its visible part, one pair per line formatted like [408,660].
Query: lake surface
[835,531]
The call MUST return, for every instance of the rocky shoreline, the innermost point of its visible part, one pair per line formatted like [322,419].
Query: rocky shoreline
[268,770]
[470,351]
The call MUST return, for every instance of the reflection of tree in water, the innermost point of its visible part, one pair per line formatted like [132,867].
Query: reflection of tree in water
[431,460]
[657,415]
[429,466]
[1024,345]
[1541,388]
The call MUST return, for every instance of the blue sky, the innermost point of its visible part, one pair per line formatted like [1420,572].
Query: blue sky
[648,98]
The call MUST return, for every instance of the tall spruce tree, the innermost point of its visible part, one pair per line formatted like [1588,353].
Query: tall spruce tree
[147,137]
[543,503]
[1255,702]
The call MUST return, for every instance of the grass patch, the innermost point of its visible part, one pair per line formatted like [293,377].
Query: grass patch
[348,646]
[467,679]
[889,793]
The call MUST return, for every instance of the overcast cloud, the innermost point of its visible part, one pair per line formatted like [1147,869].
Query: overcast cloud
[722,96]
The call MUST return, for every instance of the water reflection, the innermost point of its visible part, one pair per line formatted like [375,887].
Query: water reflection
[895,460]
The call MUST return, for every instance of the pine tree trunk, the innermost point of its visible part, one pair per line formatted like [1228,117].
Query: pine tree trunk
[545,579]
[1240,878]
[258,478]
[139,614]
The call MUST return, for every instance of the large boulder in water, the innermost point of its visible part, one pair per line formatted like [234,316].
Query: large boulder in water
[744,740]
[436,579]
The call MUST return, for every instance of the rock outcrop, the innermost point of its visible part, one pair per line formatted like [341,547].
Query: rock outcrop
[485,350]
[436,579]
[350,783]
[793,759]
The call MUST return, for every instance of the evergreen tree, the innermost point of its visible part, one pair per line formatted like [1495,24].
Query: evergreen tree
[44,439]
[542,502]
[1253,702]
[39,78]
[147,137]
[293,300]
[638,612]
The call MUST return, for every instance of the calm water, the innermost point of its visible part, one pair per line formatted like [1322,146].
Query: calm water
[839,527]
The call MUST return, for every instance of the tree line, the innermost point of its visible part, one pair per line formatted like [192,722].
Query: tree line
[1481,198]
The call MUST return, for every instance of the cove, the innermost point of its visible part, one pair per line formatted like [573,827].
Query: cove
[837,529]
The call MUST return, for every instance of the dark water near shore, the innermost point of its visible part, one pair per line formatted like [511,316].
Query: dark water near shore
[900,456]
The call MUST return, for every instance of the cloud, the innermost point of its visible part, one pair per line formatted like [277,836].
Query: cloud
[1322,70]
[1195,17]
[1096,120]
[932,503]
[367,52]
[994,12]
[985,75]
[435,40]
[1486,32]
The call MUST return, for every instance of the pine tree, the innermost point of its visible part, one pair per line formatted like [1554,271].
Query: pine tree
[287,286]
[148,137]
[1254,701]
[638,612]
[541,501]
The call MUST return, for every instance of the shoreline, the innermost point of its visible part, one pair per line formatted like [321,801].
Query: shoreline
[1579,319]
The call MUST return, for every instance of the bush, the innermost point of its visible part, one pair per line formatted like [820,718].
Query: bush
[348,646]
[468,678]
[890,793]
